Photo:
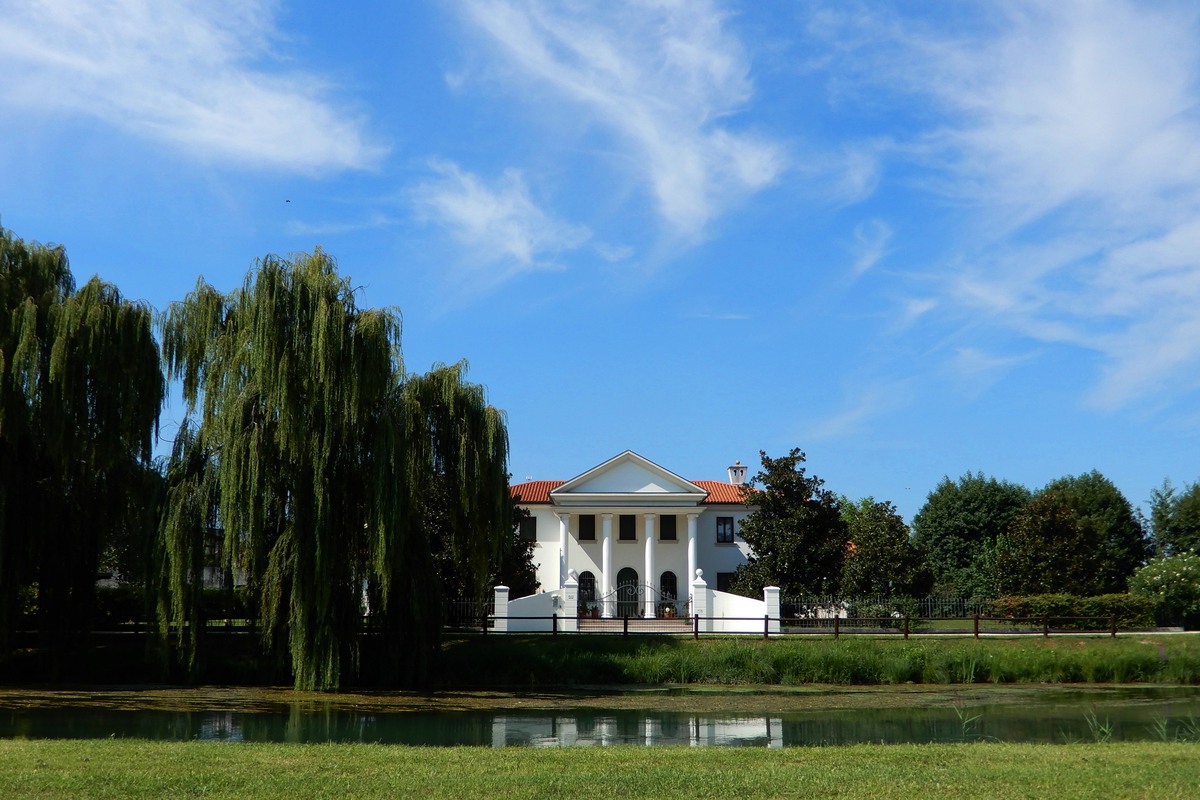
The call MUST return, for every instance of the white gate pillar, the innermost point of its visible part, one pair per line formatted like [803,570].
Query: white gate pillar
[568,619]
[700,601]
[771,597]
[500,610]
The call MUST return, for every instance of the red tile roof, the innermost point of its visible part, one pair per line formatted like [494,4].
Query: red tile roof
[720,492]
[535,492]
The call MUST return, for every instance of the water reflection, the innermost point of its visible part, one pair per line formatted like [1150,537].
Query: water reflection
[1142,716]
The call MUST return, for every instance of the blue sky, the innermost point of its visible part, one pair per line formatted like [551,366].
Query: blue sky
[912,239]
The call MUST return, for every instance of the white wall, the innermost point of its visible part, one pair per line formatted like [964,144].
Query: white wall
[536,605]
[733,613]
[668,556]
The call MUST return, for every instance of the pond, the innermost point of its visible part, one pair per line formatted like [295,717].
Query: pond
[1053,716]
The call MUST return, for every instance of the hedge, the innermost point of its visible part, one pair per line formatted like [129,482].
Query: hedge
[1130,611]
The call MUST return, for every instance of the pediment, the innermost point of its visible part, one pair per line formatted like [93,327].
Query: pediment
[627,479]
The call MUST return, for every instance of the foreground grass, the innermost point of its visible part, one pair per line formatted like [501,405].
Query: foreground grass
[540,661]
[139,769]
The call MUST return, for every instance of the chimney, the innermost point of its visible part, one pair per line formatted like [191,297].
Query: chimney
[737,474]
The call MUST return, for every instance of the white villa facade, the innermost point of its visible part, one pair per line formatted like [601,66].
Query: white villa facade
[635,534]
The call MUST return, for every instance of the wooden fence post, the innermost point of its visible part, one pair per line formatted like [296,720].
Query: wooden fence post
[625,625]
[1113,629]
[696,627]
[554,625]
[1046,627]
[906,626]
[977,626]
[766,626]
[836,626]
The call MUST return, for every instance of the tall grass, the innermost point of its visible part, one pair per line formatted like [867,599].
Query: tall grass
[519,662]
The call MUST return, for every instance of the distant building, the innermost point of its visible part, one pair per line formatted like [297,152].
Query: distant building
[635,533]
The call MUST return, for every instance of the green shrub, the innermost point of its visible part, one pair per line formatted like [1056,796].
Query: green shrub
[119,605]
[1130,611]
[1173,585]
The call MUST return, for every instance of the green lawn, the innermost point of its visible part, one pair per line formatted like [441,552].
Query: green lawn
[139,769]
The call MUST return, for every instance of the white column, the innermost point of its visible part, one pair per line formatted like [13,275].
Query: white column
[692,535]
[500,610]
[649,601]
[563,540]
[606,573]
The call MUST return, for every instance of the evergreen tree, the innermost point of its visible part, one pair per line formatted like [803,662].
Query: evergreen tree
[881,559]
[797,532]
[1050,548]
[1123,545]
[1175,518]
[958,526]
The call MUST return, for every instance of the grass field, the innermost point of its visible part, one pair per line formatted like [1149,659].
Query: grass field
[138,769]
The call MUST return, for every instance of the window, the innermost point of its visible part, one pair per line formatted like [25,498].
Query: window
[667,525]
[587,588]
[529,529]
[724,530]
[628,528]
[724,581]
[587,527]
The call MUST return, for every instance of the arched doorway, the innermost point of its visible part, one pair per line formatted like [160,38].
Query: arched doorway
[668,587]
[587,587]
[627,592]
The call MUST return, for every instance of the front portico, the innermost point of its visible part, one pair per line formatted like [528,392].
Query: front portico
[635,533]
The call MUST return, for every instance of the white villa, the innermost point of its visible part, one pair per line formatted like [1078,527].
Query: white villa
[632,534]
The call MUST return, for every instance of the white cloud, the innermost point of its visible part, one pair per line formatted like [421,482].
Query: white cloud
[861,409]
[871,237]
[1068,134]
[199,76]
[664,77]
[498,223]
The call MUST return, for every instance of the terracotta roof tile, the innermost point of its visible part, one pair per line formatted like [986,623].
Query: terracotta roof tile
[720,492]
[536,492]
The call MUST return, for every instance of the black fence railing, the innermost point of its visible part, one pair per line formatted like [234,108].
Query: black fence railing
[780,627]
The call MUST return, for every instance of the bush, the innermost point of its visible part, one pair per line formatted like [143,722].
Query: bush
[1173,586]
[119,605]
[1130,611]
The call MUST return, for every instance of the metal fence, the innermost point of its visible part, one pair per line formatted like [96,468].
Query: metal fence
[885,626]
[817,606]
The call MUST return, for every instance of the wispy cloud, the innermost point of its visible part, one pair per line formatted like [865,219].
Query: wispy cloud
[665,78]
[500,226]
[858,411]
[871,239]
[721,316]
[200,76]
[372,222]
[1068,136]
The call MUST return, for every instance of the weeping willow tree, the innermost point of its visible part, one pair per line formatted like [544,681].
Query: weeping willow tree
[312,453]
[80,393]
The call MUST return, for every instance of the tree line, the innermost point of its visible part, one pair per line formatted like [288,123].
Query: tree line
[309,463]
[975,536]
